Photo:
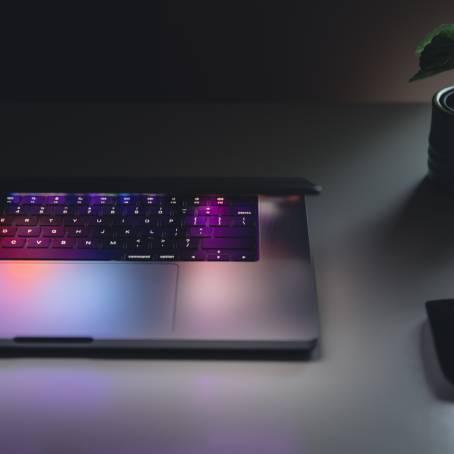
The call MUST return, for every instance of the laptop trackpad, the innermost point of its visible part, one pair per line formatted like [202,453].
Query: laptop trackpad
[102,300]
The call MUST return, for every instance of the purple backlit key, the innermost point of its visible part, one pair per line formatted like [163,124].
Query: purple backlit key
[36,243]
[53,231]
[227,243]
[12,242]
[233,232]
[65,243]
[29,231]
[7,231]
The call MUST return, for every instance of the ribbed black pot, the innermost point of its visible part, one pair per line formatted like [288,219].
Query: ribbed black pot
[441,139]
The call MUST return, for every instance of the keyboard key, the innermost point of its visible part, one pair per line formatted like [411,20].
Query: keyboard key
[29,231]
[87,244]
[218,257]
[233,232]
[38,243]
[243,221]
[112,244]
[137,244]
[101,232]
[165,256]
[228,243]
[56,200]
[63,210]
[12,242]
[102,200]
[196,221]
[13,199]
[201,232]
[243,256]
[219,221]
[162,243]
[27,220]
[13,209]
[6,220]
[33,200]
[53,231]
[74,220]
[40,210]
[77,232]
[64,243]
[188,243]
[7,231]
[51,221]
[193,256]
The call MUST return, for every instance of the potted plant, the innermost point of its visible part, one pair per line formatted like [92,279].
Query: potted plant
[436,55]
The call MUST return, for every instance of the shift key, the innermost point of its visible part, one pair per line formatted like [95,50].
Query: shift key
[228,243]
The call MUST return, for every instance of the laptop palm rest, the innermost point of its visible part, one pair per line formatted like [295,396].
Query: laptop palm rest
[90,300]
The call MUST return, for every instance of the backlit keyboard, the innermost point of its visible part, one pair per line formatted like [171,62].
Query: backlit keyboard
[156,227]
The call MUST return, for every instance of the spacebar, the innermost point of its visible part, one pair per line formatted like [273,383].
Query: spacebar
[59,254]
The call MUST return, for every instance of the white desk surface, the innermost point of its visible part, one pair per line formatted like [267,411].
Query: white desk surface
[382,243]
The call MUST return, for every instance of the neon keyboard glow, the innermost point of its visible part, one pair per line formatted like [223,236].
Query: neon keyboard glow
[122,226]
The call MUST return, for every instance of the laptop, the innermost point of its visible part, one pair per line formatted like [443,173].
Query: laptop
[182,263]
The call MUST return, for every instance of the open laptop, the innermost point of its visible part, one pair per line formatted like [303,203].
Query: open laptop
[156,264]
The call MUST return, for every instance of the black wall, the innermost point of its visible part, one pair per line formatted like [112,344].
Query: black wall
[230,50]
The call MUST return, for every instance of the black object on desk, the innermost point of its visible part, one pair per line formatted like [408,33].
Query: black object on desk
[441,318]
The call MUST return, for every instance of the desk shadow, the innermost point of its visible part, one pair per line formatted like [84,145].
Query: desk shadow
[421,233]
[440,386]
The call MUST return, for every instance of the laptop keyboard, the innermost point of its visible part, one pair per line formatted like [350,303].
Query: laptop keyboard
[153,227]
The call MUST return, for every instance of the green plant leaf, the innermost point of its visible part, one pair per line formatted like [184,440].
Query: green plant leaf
[436,52]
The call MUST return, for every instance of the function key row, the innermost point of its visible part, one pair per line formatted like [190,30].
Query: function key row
[126,199]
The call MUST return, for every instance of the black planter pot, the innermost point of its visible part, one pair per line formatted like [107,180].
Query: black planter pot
[441,139]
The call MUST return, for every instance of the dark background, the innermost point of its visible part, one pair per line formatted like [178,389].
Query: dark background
[218,50]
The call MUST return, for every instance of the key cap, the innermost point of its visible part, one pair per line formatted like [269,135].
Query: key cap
[200,232]
[112,244]
[165,256]
[243,256]
[65,243]
[101,232]
[102,200]
[6,220]
[188,243]
[162,243]
[74,220]
[63,210]
[219,221]
[29,231]
[7,231]
[56,200]
[233,232]
[32,199]
[218,257]
[93,220]
[38,243]
[77,232]
[137,244]
[40,210]
[196,221]
[243,221]
[87,244]
[27,220]
[12,242]
[53,231]
[13,209]
[50,221]
[193,256]
[13,199]
[228,243]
